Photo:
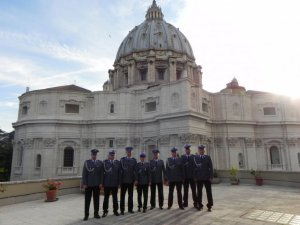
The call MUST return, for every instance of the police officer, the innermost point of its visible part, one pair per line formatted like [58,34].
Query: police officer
[111,182]
[203,174]
[188,167]
[128,164]
[158,176]
[92,179]
[175,177]
[142,180]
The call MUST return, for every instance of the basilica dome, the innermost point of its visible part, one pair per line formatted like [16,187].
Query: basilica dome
[154,34]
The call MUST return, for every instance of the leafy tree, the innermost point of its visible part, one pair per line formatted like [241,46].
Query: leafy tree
[6,150]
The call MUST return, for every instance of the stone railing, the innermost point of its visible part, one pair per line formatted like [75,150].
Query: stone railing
[279,178]
[22,191]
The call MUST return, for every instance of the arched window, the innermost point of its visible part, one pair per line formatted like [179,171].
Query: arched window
[241,160]
[68,157]
[112,108]
[20,156]
[24,110]
[274,155]
[38,162]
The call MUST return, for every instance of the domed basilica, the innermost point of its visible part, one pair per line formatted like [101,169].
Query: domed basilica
[154,98]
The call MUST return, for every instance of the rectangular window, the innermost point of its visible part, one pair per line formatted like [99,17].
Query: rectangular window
[24,110]
[204,107]
[150,106]
[269,111]
[178,74]
[143,73]
[126,78]
[161,74]
[72,108]
[111,143]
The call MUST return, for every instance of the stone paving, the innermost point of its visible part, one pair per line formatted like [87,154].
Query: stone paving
[242,204]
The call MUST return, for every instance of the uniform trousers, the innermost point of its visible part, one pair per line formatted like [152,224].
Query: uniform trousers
[171,192]
[189,182]
[88,192]
[160,194]
[207,185]
[124,188]
[114,192]
[142,190]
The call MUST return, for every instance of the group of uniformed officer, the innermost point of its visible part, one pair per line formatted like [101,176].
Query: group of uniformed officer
[191,170]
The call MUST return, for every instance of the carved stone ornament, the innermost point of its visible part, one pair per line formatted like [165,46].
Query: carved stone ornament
[165,140]
[49,142]
[292,142]
[135,141]
[249,142]
[218,141]
[100,142]
[232,142]
[188,138]
[121,142]
[29,143]
[150,99]
[86,142]
[258,143]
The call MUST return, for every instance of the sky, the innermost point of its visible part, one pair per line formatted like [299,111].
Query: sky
[61,42]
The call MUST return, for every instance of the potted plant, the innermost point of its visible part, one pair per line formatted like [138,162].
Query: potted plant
[234,180]
[216,179]
[52,187]
[258,178]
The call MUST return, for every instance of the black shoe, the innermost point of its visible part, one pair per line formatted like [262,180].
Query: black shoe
[104,214]
[144,210]
[86,218]
[122,212]
[185,205]
[200,208]
[131,211]
[209,209]
[97,216]
[116,213]
[169,207]
[182,208]
[139,209]
[161,207]
[152,207]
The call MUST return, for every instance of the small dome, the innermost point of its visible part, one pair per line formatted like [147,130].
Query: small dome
[154,34]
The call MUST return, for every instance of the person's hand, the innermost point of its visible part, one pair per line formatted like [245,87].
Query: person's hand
[135,183]
[100,186]
[210,179]
[167,183]
[84,186]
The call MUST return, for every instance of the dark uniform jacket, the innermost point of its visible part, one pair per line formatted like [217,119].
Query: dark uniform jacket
[128,169]
[174,170]
[142,173]
[92,173]
[203,168]
[157,171]
[112,173]
[188,165]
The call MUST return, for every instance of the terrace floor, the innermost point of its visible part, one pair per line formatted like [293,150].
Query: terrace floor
[242,204]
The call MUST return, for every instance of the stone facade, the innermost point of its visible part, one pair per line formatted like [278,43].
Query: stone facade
[154,98]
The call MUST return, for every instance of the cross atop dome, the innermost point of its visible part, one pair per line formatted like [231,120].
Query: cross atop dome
[154,12]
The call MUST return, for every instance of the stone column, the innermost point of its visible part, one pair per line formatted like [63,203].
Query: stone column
[151,70]
[131,72]
[172,69]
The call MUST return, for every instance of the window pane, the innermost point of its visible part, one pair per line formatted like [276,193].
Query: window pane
[112,108]
[274,155]
[150,106]
[111,143]
[269,111]
[24,110]
[204,107]
[68,157]
[38,161]
[143,73]
[161,73]
[299,158]
[72,108]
